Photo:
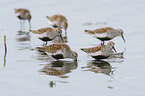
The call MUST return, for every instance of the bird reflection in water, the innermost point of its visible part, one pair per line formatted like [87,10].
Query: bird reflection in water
[23,36]
[23,39]
[117,55]
[59,68]
[99,66]
[52,84]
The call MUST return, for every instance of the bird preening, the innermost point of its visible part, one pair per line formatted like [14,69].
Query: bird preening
[58,21]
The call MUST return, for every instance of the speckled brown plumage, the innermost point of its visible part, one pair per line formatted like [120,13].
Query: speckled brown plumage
[58,21]
[22,10]
[58,18]
[42,30]
[93,49]
[25,13]
[100,30]
[55,47]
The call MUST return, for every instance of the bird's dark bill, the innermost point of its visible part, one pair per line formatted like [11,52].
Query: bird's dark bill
[123,39]
[114,49]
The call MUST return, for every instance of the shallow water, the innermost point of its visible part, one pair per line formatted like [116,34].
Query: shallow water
[28,72]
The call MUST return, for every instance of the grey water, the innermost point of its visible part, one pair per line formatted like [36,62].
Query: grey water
[27,72]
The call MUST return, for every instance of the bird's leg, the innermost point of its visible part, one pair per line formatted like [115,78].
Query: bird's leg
[102,42]
[23,25]
[46,43]
[43,44]
[29,25]
[20,26]
[65,33]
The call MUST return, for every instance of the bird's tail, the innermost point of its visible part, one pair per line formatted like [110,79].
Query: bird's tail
[47,17]
[41,49]
[86,30]
[33,31]
[89,31]
[85,50]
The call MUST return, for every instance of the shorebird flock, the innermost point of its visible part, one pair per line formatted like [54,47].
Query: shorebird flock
[62,50]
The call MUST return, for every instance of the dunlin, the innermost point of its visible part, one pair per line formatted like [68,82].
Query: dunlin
[47,34]
[100,52]
[59,21]
[106,33]
[59,51]
[23,14]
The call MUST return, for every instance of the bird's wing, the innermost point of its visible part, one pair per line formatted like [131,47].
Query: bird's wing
[93,49]
[42,30]
[54,48]
[100,30]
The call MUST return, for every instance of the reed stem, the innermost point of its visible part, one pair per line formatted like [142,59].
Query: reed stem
[5,45]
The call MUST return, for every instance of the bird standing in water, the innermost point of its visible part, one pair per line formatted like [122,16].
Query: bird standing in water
[47,34]
[58,21]
[23,14]
[100,52]
[105,34]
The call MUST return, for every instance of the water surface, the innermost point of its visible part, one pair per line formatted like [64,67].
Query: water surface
[30,73]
